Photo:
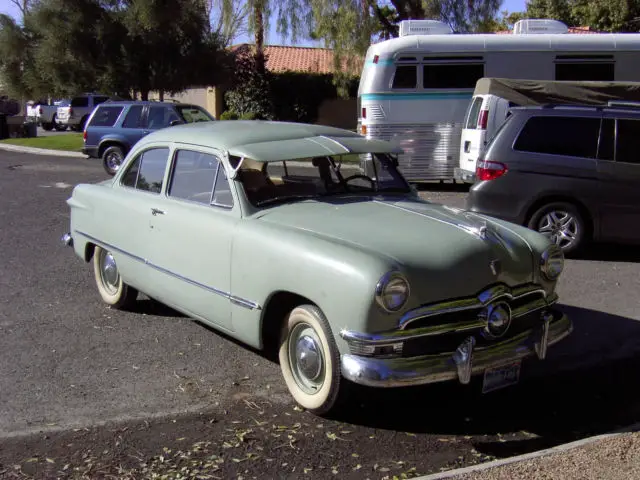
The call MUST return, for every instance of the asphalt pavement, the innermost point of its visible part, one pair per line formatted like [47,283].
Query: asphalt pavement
[74,371]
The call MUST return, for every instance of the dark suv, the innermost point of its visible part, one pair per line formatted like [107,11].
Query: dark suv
[569,172]
[115,126]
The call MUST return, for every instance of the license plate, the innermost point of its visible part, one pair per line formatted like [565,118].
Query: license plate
[500,377]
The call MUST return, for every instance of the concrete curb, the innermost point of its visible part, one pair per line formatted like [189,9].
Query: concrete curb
[41,151]
[529,456]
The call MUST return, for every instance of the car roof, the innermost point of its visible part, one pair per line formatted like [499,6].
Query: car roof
[144,102]
[271,141]
[564,109]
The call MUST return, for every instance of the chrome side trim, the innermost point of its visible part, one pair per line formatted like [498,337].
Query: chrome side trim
[400,372]
[233,298]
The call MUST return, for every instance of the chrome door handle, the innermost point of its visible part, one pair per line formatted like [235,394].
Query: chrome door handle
[157,211]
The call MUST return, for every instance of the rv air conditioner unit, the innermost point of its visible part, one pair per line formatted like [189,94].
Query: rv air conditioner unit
[539,26]
[424,27]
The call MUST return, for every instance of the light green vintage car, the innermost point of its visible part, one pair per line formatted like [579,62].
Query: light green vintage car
[307,241]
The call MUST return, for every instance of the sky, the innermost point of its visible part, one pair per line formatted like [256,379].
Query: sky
[273,38]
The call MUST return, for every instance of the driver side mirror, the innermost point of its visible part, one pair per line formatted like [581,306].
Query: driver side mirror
[173,123]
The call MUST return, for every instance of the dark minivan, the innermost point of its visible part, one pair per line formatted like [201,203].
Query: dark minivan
[115,126]
[569,172]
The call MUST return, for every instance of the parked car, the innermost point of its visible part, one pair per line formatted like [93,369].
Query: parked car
[115,126]
[494,97]
[75,114]
[346,276]
[571,173]
[47,115]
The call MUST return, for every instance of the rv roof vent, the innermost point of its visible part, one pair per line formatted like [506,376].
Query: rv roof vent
[424,27]
[538,26]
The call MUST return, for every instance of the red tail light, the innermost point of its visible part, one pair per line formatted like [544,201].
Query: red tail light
[84,136]
[40,110]
[376,58]
[483,117]
[70,111]
[486,170]
[364,112]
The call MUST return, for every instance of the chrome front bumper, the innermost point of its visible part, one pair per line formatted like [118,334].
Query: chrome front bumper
[465,362]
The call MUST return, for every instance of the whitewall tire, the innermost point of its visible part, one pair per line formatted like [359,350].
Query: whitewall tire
[309,360]
[112,289]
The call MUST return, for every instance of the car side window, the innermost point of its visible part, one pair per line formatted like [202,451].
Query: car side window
[133,118]
[146,173]
[628,132]
[222,196]
[560,135]
[607,139]
[193,176]
[157,117]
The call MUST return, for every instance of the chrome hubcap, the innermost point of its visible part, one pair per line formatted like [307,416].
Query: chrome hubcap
[560,227]
[306,358]
[114,161]
[109,272]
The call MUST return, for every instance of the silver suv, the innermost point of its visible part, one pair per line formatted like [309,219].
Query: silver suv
[75,114]
[569,172]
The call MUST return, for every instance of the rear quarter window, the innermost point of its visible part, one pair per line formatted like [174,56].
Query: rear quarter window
[105,116]
[474,111]
[560,135]
[80,102]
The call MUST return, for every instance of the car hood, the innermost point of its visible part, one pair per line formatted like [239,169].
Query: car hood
[433,243]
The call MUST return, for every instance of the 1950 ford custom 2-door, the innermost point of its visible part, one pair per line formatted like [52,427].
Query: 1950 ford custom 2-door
[273,233]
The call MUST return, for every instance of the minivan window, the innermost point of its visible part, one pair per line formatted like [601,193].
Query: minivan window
[568,136]
[607,139]
[474,111]
[627,141]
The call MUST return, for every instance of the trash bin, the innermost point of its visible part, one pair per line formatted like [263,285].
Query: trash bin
[4,129]
[30,129]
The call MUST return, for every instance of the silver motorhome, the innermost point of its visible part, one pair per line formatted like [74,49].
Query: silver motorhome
[415,89]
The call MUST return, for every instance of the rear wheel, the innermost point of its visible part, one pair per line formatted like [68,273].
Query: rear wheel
[47,126]
[562,223]
[112,289]
[310,361]
[112,159]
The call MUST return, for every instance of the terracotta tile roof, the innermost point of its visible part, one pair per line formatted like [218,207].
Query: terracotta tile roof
[576,30]
[282,58]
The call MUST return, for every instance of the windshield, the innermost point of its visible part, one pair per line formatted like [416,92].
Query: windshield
[281,182]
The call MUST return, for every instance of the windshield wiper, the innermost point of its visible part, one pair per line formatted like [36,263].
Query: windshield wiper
[269,201]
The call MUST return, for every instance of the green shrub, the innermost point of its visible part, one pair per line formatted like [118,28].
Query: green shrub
[229,115]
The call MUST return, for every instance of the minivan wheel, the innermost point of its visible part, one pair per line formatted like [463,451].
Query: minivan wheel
[112,159]
[562,223]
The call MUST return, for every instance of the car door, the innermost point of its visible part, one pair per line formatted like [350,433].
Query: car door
[129,229]
[619,176]
[133,125]
[192,233]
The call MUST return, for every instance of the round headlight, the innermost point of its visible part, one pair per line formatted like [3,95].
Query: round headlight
[392,291]
[552,262]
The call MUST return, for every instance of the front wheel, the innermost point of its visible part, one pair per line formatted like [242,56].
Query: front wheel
[112,159]
[310,361]
[112,289]
[562,223]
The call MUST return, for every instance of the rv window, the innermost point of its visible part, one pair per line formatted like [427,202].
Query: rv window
[569,136]
[452,76]
[474,111]
[405,77]
[585,71]
[628,132]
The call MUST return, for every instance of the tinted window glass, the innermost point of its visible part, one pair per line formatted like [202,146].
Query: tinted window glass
[627,150]
[99,100]
[80,102]
[571,136]
[406,76]
[222,193]
[451,75]
[585,71]
[158,117]
[472,117]
[193,176]
[105,116]
[133,118]
[607,136]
